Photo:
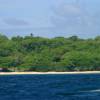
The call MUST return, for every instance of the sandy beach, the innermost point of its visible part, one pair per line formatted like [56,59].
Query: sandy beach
[32,73]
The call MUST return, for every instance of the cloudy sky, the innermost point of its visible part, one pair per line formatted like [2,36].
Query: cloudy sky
[50,18]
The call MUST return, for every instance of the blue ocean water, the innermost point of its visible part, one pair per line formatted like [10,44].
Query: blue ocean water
[50,87]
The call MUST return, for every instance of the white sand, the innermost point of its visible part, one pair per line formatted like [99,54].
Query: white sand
[22,73]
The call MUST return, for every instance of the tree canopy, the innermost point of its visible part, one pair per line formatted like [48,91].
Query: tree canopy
[31,53]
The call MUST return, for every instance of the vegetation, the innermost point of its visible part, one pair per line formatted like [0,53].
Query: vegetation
[43,54]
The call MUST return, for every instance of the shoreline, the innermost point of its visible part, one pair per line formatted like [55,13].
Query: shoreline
[33,73]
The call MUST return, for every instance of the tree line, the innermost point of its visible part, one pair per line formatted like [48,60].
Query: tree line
[32,53]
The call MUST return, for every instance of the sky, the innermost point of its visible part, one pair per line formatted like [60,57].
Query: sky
[50,18]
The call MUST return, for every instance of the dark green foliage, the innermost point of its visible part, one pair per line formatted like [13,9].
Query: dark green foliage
[43,54]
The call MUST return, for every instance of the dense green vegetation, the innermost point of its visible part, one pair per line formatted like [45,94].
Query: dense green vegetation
[43,54]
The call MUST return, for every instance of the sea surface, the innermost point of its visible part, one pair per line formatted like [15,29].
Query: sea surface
[50,87]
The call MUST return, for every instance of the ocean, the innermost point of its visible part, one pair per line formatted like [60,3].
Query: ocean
[50,87]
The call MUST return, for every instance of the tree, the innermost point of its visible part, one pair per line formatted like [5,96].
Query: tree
[74,38]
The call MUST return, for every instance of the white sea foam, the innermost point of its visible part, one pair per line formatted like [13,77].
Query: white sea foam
[97,90]
[89,93]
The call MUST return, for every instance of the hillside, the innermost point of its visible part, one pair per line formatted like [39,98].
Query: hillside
[31,53]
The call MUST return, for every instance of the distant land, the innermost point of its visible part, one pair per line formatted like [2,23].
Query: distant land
[41,54]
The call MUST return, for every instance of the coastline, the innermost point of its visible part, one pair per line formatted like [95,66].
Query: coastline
[33,73]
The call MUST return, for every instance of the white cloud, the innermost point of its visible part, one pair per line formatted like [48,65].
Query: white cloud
[15,22]
[73,17]
[69,9]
